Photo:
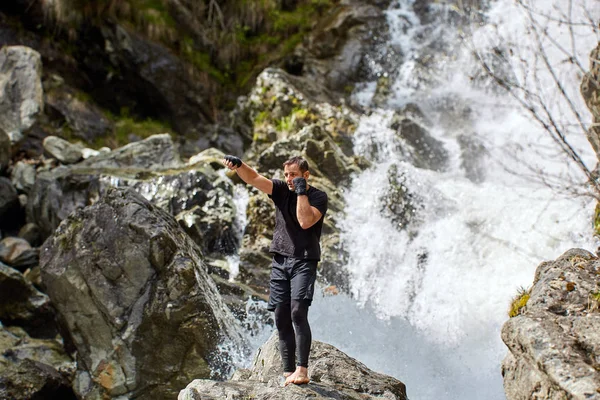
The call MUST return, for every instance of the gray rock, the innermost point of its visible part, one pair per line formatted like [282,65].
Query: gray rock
[417,143]
[62,150]
[84,118]
[155,152]
[196,195]
[133,292]
[18,253]
[21,93]
[334,375]
[554,345]
[22,304]
[23,176]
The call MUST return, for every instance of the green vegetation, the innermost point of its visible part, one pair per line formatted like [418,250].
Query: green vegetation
[519,302]
[225,44]
[126,125]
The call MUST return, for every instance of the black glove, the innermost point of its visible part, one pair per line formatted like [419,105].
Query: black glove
[299,185]
[234,160]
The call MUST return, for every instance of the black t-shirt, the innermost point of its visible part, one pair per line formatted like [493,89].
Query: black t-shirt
[289,239]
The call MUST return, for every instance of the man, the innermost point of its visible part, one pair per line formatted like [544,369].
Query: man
[300,209]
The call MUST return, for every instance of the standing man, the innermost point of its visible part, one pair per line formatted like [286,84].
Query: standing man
[299,212]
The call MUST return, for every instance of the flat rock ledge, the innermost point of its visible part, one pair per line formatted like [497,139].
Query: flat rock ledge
[334,375]
[554,344]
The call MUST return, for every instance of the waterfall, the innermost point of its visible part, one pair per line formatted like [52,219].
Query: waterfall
[441,237]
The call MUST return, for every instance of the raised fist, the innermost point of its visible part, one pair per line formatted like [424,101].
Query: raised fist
[233,160]
[299,185]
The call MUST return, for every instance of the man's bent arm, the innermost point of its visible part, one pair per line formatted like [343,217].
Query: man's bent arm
[307,215]
[253,178]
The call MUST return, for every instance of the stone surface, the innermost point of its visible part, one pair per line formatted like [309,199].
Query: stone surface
[334,375]
[18,253]
[554,345]
[62,150]
[23,176]
[22,304]
[155,152]
[85,120]
[126,280]
[21,93]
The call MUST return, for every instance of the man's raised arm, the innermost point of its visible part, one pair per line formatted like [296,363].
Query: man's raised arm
[248,174]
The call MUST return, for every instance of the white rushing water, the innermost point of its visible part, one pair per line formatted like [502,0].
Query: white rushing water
[431,299]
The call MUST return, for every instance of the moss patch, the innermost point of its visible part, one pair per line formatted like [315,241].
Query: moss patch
[517,306]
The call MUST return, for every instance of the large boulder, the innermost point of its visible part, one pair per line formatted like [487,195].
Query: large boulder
[132,290]
[333,375]
[21,93]
[554,344]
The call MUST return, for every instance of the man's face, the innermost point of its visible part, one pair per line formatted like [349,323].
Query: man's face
[293,171]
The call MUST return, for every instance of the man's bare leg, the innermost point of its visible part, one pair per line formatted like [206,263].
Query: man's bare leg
[299,377]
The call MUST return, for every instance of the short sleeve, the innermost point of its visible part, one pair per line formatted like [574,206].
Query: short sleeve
[318,200]
[279,189]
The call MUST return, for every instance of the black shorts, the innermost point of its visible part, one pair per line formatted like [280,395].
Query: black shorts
[291,279]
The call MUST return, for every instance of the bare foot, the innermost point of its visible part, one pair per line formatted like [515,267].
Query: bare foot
[299,377]
[286,374]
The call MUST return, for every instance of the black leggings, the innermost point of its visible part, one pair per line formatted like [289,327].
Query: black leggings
[290,317]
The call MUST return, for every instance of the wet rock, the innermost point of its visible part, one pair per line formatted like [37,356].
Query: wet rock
[399,202]
[23,176]
[22,304]
[62,150]
[21,93]
[472,153]
[125,277]
[417,143]
[554,343]
[333,375]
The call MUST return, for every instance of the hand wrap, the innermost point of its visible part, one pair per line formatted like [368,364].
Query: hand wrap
[299,185]
[236,161]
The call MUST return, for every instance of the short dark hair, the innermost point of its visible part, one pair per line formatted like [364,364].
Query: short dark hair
[299,161]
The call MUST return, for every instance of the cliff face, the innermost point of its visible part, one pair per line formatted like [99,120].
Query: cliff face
[554,344]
